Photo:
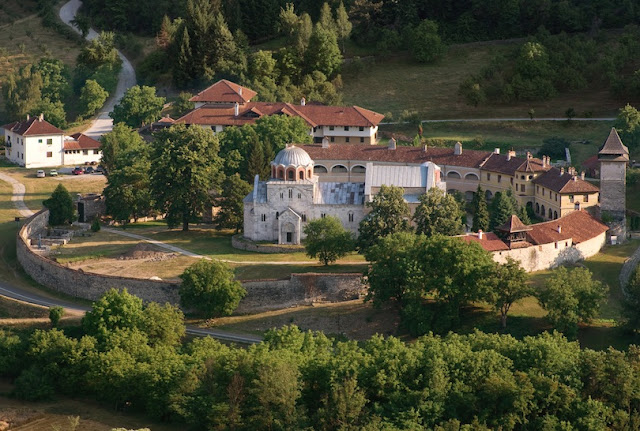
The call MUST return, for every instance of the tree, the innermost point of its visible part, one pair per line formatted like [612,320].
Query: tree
[60,205]
[425,43]
[438,214]
[182,105]
[185,169]
[500,209]
[99,51]
[343,25]
[128,194]
[276,131]
[55,314]
[163,324]
[392,263]
[81,22]
[183,73]
[632,301]
[209,287]
[326,18]
[117,146]
[55,79]
[22,91]
[480,211]
[138,106]
[510,285]
[571,296]
[628,125]
[231,213]
[570,113]
[92,97]
[114,310]
[53,112]
[323,53]
[388,214]
[327,240]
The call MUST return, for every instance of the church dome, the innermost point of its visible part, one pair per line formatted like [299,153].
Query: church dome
[292,156]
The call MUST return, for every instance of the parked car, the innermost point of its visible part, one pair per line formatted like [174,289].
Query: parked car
[77,171]
[53,173]
[89,170]
[100,169]
[40,174]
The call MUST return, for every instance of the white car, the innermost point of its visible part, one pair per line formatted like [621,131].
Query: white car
[53,173]
[40,174]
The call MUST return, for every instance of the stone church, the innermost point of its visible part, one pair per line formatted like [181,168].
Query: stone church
[278,209]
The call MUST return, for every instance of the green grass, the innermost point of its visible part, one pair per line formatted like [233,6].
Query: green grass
[256,272]
[397,84]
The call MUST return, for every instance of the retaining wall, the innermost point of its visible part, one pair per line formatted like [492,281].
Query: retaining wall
[262,295]
[241,243]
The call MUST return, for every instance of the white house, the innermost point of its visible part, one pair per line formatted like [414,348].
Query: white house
[34,143]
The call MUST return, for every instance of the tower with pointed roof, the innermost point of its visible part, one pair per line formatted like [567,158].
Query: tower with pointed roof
[613,157]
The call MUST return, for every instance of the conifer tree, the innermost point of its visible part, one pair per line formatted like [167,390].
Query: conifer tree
[182,72]
[343,25]
[500,210]
[326,18]
[257,165]
[480,211]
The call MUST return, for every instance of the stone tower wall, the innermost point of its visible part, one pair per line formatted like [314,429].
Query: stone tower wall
[612,188]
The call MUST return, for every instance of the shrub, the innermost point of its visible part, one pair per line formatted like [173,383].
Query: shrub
[55,314]
[95,225]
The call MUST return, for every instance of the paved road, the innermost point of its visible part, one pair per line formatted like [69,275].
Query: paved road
[103,123]
[489,120]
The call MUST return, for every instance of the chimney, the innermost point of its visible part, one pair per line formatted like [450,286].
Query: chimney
[561,171]
[236,109]
[528,155]
[392,144]
[510,154]
[240,91]
[582,175]
[457,149]
[496,150]
[28,117]
[325,142]
[41,117]
[559,229]
[480,233]
[425,148]
[575,178]
[303,101]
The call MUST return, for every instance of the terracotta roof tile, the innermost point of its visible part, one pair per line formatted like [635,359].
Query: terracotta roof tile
[560,182]
[514,224]
[613,146]
[33,126]
[578,225]
[592,162]
[81,142]
[224,91]
[402,154]
[489,241]
[509,165]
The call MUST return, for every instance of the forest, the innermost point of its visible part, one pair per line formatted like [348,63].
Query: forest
[305,380]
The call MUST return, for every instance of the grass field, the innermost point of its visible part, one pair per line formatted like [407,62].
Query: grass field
[586,136]
[397,84]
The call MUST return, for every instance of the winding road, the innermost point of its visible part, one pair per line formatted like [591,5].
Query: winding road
[127,78]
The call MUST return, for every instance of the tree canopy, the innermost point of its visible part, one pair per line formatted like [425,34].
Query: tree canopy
[388,214]
[138,107]
[61,207]
[327,240]
[438,213]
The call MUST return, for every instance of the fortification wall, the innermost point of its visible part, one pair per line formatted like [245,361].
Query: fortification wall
[262,295]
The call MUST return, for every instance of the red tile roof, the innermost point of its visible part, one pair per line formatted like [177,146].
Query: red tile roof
[33,126]
[81,142]
[578,225]
[560,182]
[514,224]
[509,165]
[314,115]
[224,91]
[489,241]
[592,162]
[402,154]
[613,147]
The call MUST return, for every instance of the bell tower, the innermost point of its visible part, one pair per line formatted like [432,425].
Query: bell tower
[613,157]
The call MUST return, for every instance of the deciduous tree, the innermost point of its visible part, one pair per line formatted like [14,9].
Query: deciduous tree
[92,97]
[438,214]
[114,310]
[210,288]
[388,214]
[509,285]
[139,106]
[231,213]
[327,239]
[116,144]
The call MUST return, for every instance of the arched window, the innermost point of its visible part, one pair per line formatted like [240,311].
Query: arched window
[339,169]
[301,175]
[290,175]
[281,173]
[277,215]
[488,195]
[542,210]
[550,213]
[468,196]
[358,169]
[319,169]
[555,214]
[453,174]
[537,208]
[471,177]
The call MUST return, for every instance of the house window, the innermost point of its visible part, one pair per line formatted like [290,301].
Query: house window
[263,217]
[333,139]
[571,198]
[586,198]
[499,178]
[361,140]
[314,129]
[351,217]
[522,177]
[556,244]
[277,215]
[331,127]
[523,188]
[323,215]
[516,187]
[488,177]
[49,141]
[85,152]
[96,151]
[281,196]
[39,141]
[361,128]
[346,128]
[304,218]
[49,154]
[511,180]
[347,139]
[290,193]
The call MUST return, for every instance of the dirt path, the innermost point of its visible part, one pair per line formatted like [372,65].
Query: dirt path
[18,195]
[127,78]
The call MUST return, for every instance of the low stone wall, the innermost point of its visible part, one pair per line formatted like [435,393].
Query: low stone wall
[241,243]
[262,295]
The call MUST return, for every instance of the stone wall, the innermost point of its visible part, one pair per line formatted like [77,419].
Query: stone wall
[262,295]
[241,243]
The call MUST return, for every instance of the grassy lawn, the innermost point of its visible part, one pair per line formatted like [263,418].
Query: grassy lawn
[520,135]
[396,84]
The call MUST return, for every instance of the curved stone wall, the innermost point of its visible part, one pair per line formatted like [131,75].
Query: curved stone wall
[262,295]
